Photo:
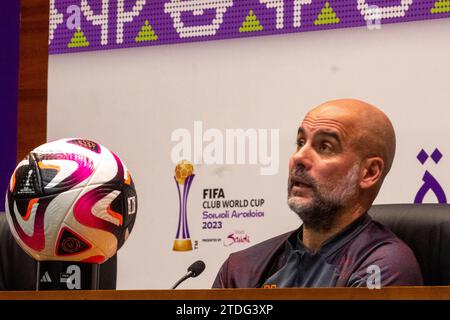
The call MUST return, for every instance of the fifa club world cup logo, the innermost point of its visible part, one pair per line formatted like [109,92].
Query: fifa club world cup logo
[184,174]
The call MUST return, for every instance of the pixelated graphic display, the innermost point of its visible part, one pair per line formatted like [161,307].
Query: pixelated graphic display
[88,25]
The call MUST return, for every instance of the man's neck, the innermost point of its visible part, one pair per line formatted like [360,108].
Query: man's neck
[314,239]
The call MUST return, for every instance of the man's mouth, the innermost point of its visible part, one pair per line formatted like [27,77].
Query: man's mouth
[301,185]
[297,184]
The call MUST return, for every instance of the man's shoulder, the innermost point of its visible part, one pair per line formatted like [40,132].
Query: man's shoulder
[378,246]
[261,252]
[373,237]
[377,234]
[249,267]
[265,247]
[389,246]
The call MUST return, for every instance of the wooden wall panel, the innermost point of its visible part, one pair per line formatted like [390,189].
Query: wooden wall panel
[33,66]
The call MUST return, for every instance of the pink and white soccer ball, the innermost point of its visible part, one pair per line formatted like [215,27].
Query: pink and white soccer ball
[71,200]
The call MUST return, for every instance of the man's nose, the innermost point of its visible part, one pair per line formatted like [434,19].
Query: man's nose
[303,157]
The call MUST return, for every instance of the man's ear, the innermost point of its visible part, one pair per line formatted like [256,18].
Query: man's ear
[371,172]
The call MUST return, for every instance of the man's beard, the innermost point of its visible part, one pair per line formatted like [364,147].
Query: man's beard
[328,200]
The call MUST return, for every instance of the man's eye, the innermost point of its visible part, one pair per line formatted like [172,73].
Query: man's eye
[300,143]
[325,147]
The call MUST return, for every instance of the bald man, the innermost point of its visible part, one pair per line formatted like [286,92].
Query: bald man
[345,149]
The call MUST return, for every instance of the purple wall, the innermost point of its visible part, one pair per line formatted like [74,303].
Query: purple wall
[9,69]
[155,24]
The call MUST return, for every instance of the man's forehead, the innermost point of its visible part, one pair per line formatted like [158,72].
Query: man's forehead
[346,117]
[312,123]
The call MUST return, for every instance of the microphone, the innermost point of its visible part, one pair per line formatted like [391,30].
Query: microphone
[193,271]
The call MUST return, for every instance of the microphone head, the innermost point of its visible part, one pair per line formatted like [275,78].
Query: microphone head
[196,268]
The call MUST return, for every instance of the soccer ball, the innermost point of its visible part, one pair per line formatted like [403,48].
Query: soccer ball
[183,170]
[71,200]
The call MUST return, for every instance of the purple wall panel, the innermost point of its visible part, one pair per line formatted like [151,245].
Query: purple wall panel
[9,70]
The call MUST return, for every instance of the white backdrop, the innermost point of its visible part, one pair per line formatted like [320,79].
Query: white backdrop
[132,100]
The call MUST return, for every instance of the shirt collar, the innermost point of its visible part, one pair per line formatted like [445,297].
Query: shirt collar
[332,244]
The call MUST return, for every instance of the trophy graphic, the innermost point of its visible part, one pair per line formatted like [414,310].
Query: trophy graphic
[184,174]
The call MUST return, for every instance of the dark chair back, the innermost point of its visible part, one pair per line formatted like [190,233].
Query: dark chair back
[425,228]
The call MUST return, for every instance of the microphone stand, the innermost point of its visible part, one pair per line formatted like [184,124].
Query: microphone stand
[38,274]
[186,276]
[95,276]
